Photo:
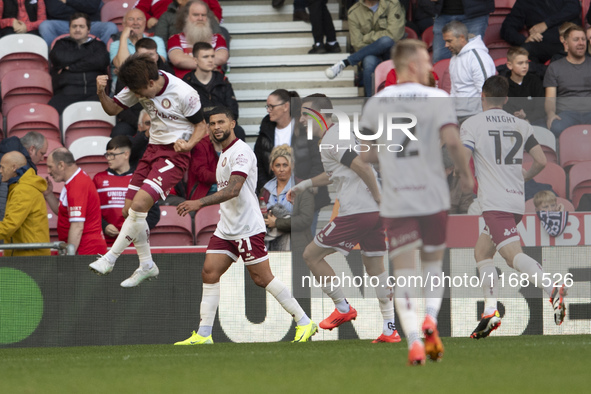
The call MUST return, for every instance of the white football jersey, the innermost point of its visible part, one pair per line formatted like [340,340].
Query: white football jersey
[353,194]
[497,140]
[240,216]
[169,110]
[413,180]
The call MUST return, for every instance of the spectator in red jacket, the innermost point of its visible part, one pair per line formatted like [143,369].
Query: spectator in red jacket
[204,160]
[21,16]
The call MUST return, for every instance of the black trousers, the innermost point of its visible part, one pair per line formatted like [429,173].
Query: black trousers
[321,21]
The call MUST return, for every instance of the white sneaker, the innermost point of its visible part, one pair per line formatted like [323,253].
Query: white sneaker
[101,266]
[140,275]
[333,71]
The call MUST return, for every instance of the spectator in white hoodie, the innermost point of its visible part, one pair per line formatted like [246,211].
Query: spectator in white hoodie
[469,67]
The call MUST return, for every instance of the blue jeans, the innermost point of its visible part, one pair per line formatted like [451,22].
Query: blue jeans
[476,26]
[569,118]
[50,29]
[370,56]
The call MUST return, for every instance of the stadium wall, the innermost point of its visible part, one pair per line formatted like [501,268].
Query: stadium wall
[56,301]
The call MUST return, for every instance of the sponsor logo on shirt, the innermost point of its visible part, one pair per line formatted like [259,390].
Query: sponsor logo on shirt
[105,183]
[508,232]
[193,101]
[222,184]
[75,211]
[241,160]
[404,239]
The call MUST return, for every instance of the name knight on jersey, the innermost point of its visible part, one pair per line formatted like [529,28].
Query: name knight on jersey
[500,119]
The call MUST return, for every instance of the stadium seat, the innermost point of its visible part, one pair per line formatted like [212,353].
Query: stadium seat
[579,178]
[22,52]
[427,37]
[497,47]
[25,87]
[585,4]
[89,153]
[42,118]
[568,206]
[172,229]
[114,11]
[1,126]
[380,74]
[500,61]
[547,141]
[52,218]
[206,221]
[410,33]
[552,174]
[502,9]
[574,145]
[441,68]
[84,119]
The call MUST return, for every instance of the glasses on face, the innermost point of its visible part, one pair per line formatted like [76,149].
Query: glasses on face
[272,106]
[110,156]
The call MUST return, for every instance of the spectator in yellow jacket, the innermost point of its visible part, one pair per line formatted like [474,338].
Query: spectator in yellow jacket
[25,220]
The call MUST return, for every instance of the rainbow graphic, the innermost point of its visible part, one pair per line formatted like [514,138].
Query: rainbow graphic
[317,118]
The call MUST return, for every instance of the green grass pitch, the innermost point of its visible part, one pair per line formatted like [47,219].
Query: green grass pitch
[527,364]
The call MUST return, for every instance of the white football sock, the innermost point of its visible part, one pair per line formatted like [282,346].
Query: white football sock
[142,245]
[433,289]
[525,264]
[405,301]
[210,300]
[338,297]
[386,299]
[489,278]
[282,294]
[129,231]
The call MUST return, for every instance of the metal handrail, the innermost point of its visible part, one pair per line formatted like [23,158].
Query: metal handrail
[63,248]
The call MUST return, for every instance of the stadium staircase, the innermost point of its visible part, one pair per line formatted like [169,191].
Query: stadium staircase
[269,51]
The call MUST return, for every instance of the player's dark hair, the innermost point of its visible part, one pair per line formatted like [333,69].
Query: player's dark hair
[221,110]
[201,46]
[137,71]
[496,89]
[120,141]
[62,154]
[146,43]
[78,15]
[317,101]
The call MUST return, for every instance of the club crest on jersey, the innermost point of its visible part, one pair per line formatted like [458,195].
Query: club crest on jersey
[224,162]
[166,103]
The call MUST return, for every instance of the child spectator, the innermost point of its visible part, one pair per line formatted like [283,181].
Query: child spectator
[551,214]
[524,88]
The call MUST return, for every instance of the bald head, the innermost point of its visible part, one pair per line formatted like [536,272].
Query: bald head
[11,162]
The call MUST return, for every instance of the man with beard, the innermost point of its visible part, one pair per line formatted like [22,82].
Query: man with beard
[196,28]
[568,77]
[240,232]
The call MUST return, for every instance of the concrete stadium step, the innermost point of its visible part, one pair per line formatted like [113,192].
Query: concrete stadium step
[257,95]
[274,27]
[231,9]
[288,76]
[327,59]
[290,42]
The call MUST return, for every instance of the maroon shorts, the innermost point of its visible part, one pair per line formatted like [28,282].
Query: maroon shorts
[501,226]
[343,233]
[159,170]
[415,231]
[252,249]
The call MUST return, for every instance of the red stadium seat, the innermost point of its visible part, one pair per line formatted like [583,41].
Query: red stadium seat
[42,118]
[575,145]
[89,153]
[84,119]
[497,47]
[427,37]
[114,11]
[441,68]
[579,178]
[25,87]
[380,74]
[552,174]
[172,229]
[22,52]
[410,33]
[500,61]
[206,221]
[568,206]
